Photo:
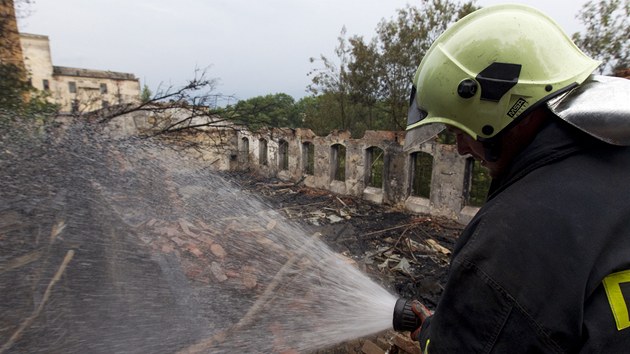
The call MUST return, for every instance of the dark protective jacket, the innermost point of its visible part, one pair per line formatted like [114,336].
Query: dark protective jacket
[544,266]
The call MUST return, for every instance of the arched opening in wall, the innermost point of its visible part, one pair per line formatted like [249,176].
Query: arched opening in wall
[338,162]
[374,167]
[283,155]
[262,152]
[244,152]
[308,158]
[421,170]
[477,183]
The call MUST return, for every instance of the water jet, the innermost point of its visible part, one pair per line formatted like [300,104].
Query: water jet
[168,256]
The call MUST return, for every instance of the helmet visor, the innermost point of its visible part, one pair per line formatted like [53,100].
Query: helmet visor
[419,134]
[415,114]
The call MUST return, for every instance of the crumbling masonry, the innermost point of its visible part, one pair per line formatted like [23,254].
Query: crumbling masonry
[345,165]
[433,179]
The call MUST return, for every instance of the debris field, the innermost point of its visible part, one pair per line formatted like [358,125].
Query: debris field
[406,253]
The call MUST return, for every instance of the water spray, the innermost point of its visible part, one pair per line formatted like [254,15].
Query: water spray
[162,247]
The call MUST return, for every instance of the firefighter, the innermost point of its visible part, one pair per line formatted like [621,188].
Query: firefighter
[544,266]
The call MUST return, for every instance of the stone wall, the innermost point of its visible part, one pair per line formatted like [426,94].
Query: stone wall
[239,149]
[448,177]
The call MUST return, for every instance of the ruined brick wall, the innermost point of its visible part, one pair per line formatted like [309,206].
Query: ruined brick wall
[447,179]
[262,152]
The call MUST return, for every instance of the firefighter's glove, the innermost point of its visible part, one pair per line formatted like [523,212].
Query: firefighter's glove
[422,313]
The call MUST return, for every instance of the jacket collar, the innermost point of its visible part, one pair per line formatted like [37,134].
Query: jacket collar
[555,141]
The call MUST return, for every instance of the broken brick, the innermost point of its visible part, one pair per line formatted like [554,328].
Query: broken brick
[249,279]
[218,272]
[185,226]
[167,231]
[194,250]
[232,273]
[406,344]
[203,225]
[383,343]
[218,250]
[178,241]
[370,348]
[193,272]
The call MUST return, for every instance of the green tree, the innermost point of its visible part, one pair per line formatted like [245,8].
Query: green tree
[607,33]
[146,94]
[371,80]
[276,110]
[363,79]
[332,80]
[480,181]
[13,88]
[403,42]
[316,113]
[19,101]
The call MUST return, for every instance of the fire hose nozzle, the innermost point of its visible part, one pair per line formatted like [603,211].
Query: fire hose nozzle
[404,318]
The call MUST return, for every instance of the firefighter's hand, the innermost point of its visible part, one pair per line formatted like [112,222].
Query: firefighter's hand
[422,313]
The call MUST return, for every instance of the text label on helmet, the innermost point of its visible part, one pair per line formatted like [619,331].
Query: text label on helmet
[516,107]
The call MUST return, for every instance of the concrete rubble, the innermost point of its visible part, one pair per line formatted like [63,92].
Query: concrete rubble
[402,250]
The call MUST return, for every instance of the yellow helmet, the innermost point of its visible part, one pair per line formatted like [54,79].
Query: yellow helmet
[490,68]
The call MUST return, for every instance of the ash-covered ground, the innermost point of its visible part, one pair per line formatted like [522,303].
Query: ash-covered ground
[407,253]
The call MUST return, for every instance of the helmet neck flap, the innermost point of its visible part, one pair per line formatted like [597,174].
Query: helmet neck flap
[599,107]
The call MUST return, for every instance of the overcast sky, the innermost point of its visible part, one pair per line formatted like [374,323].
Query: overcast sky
[254,47]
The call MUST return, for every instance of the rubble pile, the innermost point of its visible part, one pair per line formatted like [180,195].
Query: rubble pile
[406,253]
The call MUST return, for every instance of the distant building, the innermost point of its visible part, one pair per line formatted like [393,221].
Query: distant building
[75,89]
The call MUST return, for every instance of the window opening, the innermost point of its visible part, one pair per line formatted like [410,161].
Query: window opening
[308,158]
[374,167]
[74,106]
[245,150]
[338,162]
[421,170]
[477,183]
[283,155]
[262,152]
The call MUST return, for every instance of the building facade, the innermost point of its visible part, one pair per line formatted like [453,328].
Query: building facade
[75,90]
